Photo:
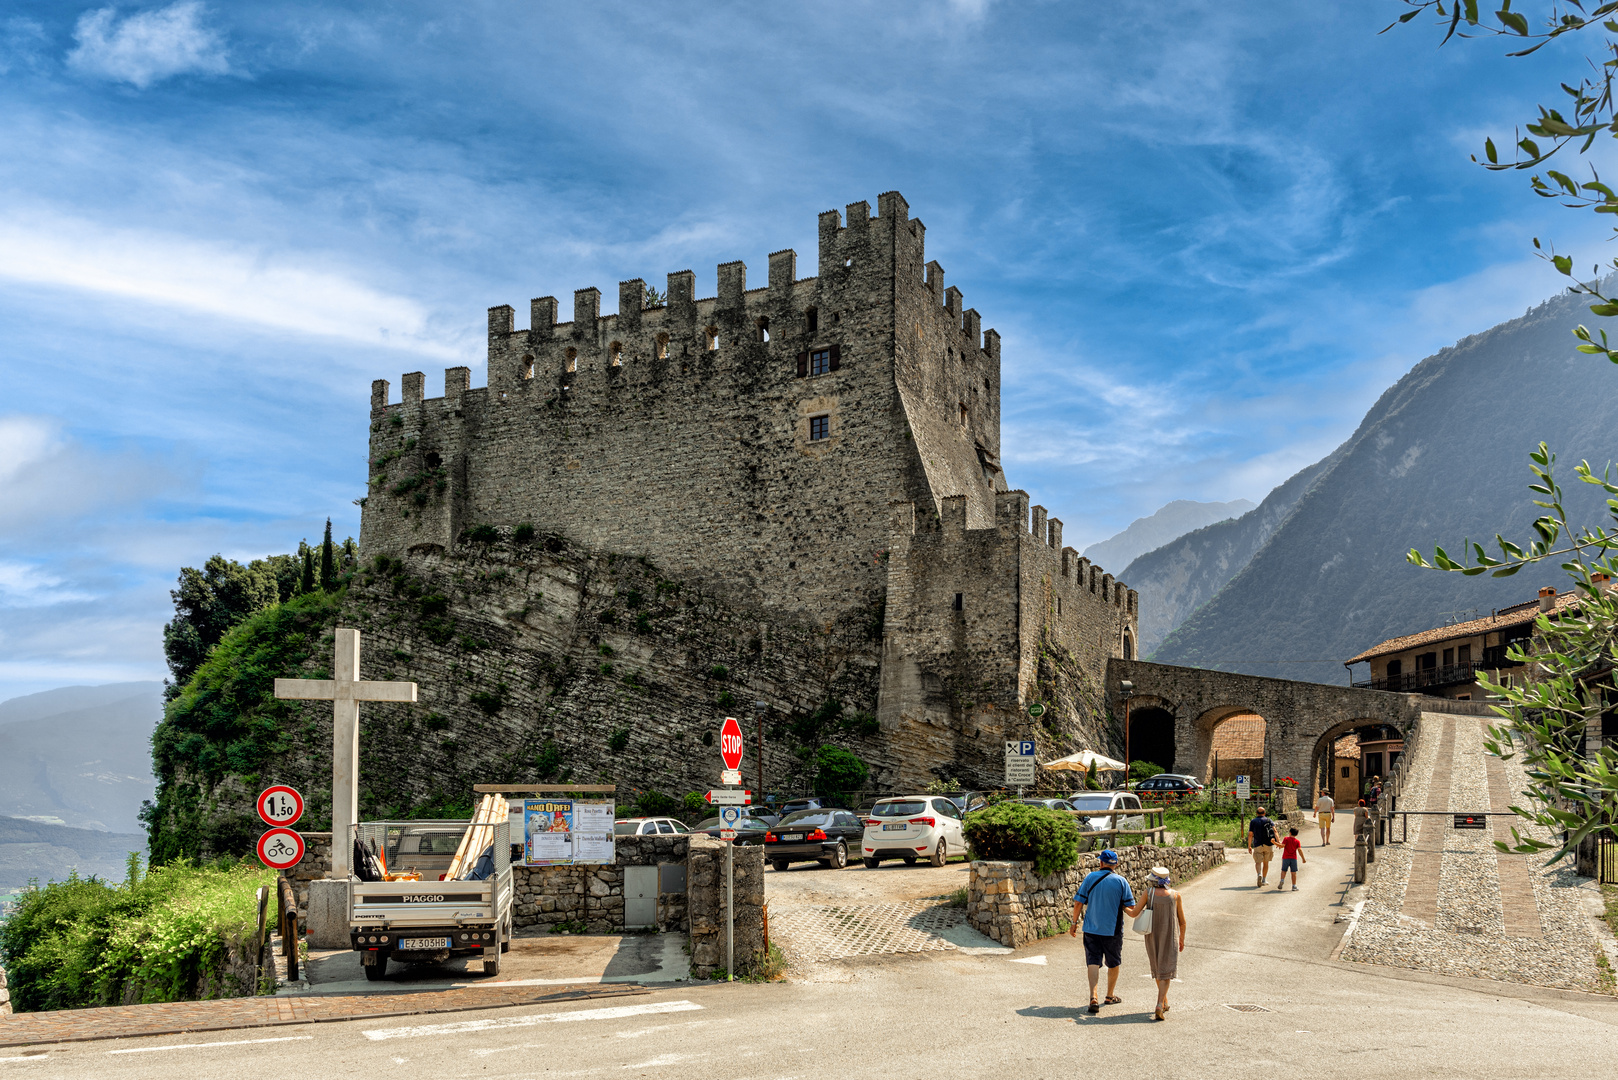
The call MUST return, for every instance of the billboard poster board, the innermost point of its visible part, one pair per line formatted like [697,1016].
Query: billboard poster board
[567,832]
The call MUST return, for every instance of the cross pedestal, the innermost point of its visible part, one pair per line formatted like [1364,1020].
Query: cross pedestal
[345,692]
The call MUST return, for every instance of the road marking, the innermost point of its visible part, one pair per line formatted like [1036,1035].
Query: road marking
[204,1046]
[637,1033]
[26,1057]
[613,1013]
[657,1062]
[1040,960]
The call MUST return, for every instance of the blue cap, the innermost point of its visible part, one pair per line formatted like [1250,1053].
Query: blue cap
[1108,856]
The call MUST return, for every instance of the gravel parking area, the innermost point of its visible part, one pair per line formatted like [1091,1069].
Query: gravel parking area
[1449,903]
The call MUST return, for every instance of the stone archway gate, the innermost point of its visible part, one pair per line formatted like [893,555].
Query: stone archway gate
[1302,719]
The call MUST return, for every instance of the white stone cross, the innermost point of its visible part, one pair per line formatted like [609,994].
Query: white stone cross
[345,693]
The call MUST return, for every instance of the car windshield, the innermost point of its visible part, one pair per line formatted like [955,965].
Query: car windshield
[1091,802]
[805,817]
[898,808]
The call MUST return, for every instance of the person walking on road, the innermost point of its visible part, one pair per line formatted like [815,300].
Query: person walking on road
[1167,937]
[1325,809]
[1291,852]
[1099,907]
[1261,845]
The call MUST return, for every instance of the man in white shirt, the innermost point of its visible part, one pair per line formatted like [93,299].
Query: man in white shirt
[1325,807]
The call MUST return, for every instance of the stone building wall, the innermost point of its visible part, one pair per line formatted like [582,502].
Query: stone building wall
[1008,902]
[593,896]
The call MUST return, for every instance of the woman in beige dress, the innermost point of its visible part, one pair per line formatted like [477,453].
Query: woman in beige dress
[1167,938]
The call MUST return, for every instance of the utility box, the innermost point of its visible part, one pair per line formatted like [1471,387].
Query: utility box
[640,897]
[671,877]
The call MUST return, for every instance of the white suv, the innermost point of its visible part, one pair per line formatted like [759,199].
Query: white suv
[1083,801]
[910,827]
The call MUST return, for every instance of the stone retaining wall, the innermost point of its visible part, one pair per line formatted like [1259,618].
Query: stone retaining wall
[707,910]
[314,866]
[1008,902]
[593,896]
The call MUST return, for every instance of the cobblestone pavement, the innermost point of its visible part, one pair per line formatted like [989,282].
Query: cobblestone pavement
[176,1017]
[1447,902]
[839,931]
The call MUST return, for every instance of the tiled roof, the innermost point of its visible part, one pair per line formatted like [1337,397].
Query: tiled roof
[1516,615]
[1240,736]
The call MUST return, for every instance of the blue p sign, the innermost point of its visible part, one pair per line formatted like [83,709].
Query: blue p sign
[1027,748]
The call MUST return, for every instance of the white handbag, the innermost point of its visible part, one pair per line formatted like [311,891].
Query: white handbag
[1143,921]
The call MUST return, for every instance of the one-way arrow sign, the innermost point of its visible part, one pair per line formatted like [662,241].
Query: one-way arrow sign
[729,797]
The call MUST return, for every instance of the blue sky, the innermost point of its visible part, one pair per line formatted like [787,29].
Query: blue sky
[1209,234]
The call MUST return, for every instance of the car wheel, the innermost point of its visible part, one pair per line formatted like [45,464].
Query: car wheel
[872,864]
[378,971]
[779,864]
[839,857]
[940,854]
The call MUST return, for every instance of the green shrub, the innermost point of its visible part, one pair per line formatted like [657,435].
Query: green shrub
[436,721]
[165,936]
[655,804]
[1015,831]
[838,772]
[719,671]
[695,803]
[523,534]
[491,704]
[605,669]
[725,699]
[618,740]
[482,534]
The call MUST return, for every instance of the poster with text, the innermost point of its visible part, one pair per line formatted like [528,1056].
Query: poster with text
[565,832]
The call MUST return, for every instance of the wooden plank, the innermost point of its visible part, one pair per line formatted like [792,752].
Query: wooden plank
[541,789]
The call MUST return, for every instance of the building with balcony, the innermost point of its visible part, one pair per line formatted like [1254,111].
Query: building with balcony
[1446,660]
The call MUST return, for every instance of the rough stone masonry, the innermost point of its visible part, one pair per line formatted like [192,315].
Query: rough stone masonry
[821,448]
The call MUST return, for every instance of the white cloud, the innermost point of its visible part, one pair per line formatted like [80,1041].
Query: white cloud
[284,292]
[22,41]
[29,585]
[47,478]
[147,47]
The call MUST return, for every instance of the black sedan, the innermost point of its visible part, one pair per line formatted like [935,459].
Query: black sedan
[823,836]
[749,831]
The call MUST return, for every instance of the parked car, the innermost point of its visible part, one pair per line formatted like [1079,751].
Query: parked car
[810,802]
[910,827]
[967,801]
[763,814]
[749,831]
[1085,803]
[1049,804]
[648,826]
[821,835]
[1169,786]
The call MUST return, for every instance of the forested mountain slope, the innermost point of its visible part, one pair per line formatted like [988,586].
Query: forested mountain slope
[1440,457]
[1170,522]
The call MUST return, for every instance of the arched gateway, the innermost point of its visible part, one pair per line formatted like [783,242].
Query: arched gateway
[1301,720]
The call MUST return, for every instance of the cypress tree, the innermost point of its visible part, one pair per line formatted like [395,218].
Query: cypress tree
[328,561]
[307,585]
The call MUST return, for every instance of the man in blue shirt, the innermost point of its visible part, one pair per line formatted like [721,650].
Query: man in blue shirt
[1099,907]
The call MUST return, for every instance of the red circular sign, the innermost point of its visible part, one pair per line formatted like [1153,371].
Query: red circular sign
[730,743]
[280,849]
[280,805]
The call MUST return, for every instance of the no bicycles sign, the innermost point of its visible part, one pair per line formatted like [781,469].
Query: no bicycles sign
[280,849]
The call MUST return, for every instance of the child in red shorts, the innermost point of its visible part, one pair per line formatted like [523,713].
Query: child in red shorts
[1291,852]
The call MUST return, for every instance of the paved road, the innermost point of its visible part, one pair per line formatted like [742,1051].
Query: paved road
[954,1016]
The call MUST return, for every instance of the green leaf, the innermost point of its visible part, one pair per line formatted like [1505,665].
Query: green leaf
[1489,151]
[1513,20]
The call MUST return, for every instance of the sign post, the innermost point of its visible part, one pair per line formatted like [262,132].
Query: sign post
[1020,764]
[345,693]
[728,817]
[1244,790]
[730,749]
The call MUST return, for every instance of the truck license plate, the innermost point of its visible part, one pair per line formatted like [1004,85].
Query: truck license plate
[790,837]
[425,943]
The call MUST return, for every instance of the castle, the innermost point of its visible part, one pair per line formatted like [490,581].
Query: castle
[822,446]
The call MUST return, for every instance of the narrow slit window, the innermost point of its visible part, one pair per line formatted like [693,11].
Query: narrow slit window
[811,319]
[528,367]
[960,601]
[712,336]
[662,346]
[1058,607]
[820,362]
[764,330]
[819,428]
[572,360]
[617,350]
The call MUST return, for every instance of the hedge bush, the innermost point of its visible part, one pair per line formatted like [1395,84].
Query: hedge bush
[1017,832]
[168,935]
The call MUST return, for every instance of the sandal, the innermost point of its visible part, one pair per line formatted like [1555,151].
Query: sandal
[1159,1015]
[1095,1007]
[1113,999]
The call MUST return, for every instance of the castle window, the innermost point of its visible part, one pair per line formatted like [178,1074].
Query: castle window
[820,362]
[712,336]
[764,330]
[819,428]
[811,319]
[572,360]
[528,367]
[847,263]
[617,350]
[960,601]
[985,385]
[662,346]
[1058,607]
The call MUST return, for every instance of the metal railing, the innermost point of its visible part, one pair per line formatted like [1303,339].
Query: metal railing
[1159,831]
[1448,675]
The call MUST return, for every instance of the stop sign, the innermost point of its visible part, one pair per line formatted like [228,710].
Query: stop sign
[730,743]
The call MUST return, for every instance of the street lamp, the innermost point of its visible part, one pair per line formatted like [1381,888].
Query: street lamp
[1127,689]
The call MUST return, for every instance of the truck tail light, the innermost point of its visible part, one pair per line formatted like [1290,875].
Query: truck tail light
[927,821]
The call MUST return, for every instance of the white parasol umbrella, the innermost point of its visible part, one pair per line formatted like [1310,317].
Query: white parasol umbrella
[1084,761]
